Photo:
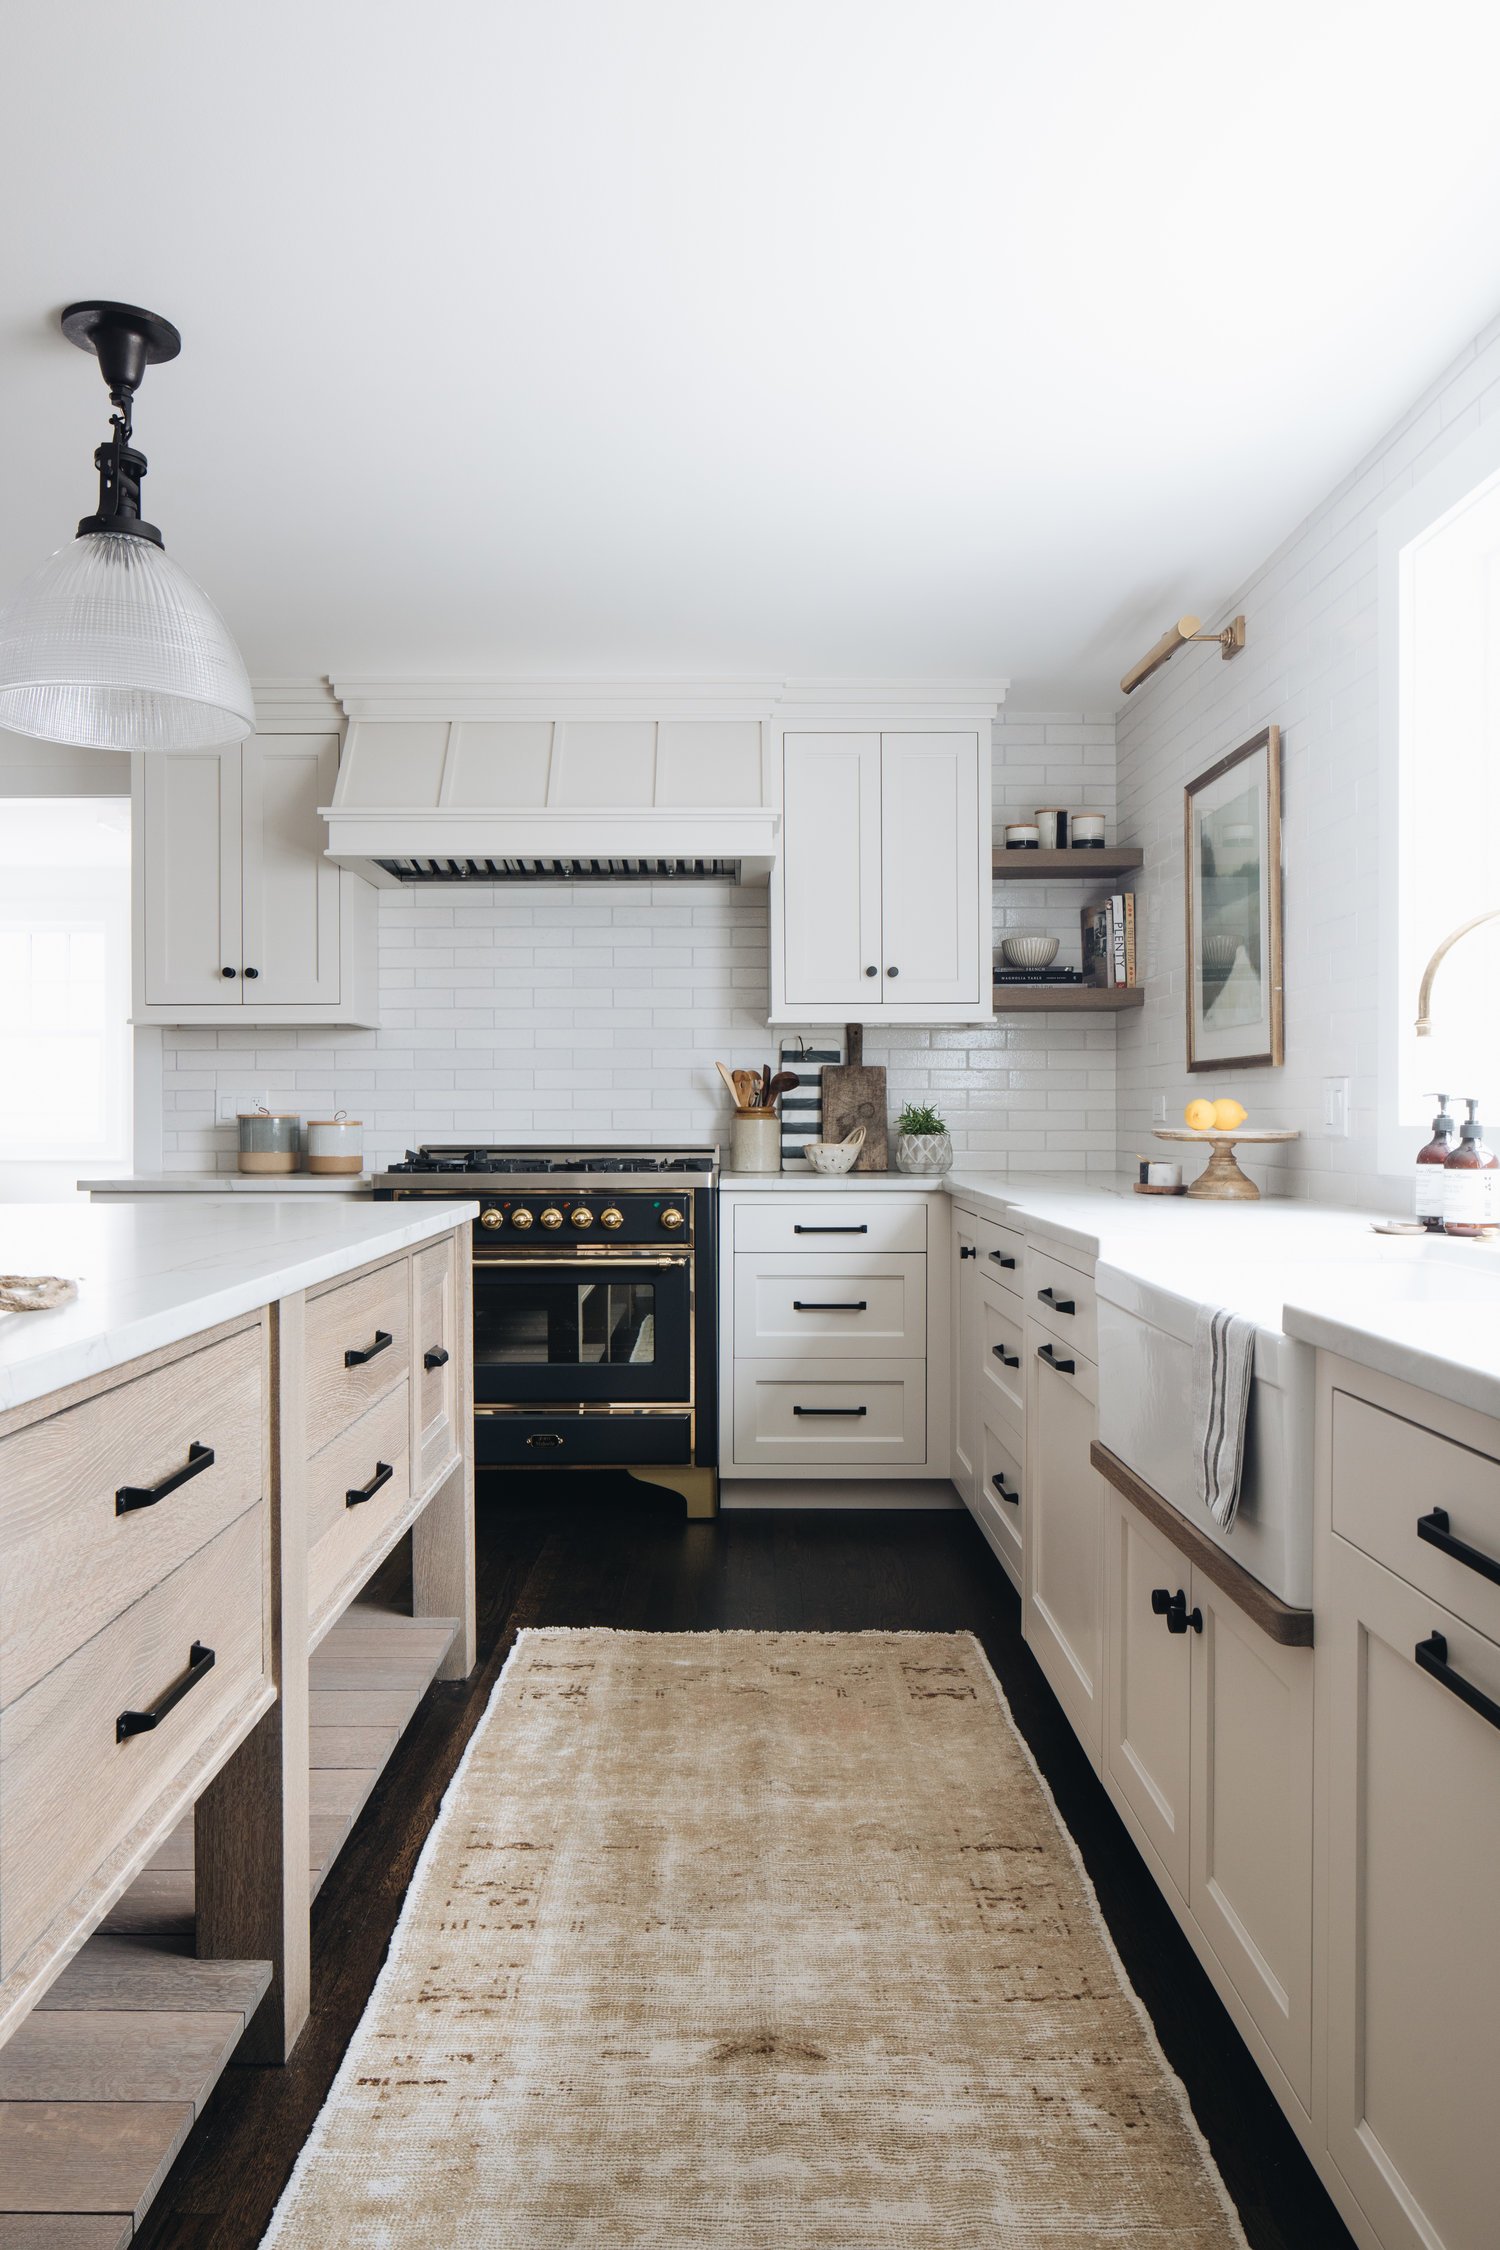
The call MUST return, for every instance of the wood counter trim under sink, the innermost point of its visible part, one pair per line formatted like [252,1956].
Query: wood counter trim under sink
[1293,1628]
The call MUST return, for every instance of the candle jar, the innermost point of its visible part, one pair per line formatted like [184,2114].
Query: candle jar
[335,1144]
[268,1140]
[1088,831]
[1052,827]
[1021,836]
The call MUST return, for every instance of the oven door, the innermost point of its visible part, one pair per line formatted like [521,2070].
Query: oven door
[598,1327]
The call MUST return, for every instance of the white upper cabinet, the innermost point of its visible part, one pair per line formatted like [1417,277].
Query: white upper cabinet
[239,915]
[880,906]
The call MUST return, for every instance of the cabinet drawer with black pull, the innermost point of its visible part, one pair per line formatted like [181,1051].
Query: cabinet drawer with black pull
[358,1347]
[851,1412]
[106,1498]
[88,1751]
[830,1305]
[1063,1300]
[357,1486]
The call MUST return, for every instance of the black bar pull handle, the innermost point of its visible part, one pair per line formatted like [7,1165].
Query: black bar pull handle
[1432,1656]
[1058,1304]
[200,1663]
[362,1359]
[357,1494]
[967,1250]
[812,1411]
[1435,1529]
[1006,1359]
[1002,1259]
[829,1230]
[1063,1366]
[128,1496]
[437,1357]
[1000,1486]
[852,1305]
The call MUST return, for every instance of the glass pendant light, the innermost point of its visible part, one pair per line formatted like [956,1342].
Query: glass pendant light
[109,644]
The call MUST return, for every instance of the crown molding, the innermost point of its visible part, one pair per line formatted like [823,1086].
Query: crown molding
[657,699]
[293,704]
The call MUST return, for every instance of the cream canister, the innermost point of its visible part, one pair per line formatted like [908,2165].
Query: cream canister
[334,1144]
[268,1140]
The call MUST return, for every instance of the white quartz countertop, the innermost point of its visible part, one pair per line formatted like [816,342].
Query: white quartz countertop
[804,1178]
[1440,1341]
[233,1183]
[155,1272]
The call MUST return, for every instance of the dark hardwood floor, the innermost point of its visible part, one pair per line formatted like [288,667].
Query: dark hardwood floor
[548,1556]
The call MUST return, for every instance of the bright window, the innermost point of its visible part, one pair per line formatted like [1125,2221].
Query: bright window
[64,980]
[1442,803]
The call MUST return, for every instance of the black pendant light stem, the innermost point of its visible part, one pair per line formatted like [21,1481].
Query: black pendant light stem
[125,340]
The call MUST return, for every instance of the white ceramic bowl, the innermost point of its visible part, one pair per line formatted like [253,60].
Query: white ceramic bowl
[832,1156]
[1029,952]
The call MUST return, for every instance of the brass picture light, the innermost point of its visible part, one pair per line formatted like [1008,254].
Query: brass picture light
[1231,640]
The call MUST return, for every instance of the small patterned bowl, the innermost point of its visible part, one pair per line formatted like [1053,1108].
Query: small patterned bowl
[1029,952]
[831,1157]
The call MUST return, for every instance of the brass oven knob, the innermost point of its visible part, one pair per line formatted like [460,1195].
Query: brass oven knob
[672,1218]
[581,1217]
[552,1217]
[611,1218]
[520,1219]
[490,1219]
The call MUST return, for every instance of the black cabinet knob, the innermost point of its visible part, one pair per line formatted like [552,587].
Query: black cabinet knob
[872,971]
[967,1250]
[252,972]
[893,972]
[227,972]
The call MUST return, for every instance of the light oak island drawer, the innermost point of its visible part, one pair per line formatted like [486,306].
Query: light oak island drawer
[105,1499]
[1422,1504]
[853,1413]
[358,1347]
[356,1487]
[86,1752]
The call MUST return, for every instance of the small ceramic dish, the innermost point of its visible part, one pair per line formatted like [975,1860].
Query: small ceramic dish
[831,1157]
[1030,952]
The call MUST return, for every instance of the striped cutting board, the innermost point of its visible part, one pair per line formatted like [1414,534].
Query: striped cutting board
[802,1105]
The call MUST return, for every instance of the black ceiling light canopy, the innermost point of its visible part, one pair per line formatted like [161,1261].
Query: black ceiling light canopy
[126,340]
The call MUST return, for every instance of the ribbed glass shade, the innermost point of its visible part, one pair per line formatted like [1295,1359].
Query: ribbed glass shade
[110,645]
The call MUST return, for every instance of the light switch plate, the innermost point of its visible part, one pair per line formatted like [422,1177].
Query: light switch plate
[1336,1109]
[1159,1110]
[230,1105]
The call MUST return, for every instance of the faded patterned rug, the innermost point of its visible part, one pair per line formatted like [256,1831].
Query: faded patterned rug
[752,1941]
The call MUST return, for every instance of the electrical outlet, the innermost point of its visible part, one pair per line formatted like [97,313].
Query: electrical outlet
[1336,1109]
[1159,1110]
[229,1105]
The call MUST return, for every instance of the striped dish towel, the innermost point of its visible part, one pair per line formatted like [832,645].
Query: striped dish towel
[1223,1360]
[801,1106]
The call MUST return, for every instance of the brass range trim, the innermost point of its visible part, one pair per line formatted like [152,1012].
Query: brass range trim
[530,1260]
[537,1410]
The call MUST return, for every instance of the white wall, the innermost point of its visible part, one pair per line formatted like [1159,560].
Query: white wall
[576,1015]
[1311,666]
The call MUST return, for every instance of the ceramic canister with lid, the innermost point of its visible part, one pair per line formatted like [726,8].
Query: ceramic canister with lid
[268,1140]
[335,1144]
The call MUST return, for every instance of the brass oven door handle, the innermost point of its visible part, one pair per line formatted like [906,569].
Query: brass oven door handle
[584,1261]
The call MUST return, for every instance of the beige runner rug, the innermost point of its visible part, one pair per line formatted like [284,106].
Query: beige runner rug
[752,1941]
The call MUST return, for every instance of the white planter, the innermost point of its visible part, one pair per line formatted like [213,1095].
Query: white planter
[924,1152]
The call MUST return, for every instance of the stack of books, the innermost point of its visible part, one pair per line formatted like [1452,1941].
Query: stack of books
[1109,940]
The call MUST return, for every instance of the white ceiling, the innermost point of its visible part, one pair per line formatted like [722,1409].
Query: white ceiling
[681,336]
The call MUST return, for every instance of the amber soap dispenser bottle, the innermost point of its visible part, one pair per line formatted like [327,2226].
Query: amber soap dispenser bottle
[1431,1163]
[1471,1177]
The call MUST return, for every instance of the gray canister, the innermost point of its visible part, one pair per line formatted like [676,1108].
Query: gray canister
[269,1140]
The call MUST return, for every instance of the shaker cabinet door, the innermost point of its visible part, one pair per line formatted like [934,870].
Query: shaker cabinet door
[1062,1610]
[830,872]
[291,891]
[1147,1721]
[930,870]
[187,809]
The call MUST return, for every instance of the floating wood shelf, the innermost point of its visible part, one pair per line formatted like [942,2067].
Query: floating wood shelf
[1035,999]
[1057,867]
[101,2084]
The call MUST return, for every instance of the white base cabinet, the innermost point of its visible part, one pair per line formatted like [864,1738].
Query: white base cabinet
[988,1389]
[239,916]
[1062,1609]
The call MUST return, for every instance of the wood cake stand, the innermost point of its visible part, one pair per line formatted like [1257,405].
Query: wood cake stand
[1221,1179]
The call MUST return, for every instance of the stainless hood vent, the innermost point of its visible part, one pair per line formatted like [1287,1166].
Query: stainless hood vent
[479,871]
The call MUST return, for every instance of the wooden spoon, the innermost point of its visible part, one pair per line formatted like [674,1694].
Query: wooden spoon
[746,1086]
[728,1078]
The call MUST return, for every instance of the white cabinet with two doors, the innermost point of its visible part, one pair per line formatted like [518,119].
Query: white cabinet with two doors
[880,908]
[833,1313]
[239,915]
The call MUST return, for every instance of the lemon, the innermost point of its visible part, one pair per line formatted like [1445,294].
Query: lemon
[1228,1114]
[1200,1115]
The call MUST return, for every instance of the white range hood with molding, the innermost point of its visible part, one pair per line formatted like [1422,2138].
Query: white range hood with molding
[516,781]
[540,781]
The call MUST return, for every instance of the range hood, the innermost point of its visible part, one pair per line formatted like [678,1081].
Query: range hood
[546,784]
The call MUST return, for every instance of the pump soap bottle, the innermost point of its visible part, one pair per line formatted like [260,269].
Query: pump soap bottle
[1470,1178]
[1430,1164]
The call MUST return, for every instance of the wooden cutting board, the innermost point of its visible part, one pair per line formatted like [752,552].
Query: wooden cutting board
[854,1094]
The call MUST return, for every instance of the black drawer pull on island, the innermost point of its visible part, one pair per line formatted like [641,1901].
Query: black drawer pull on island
[200,1663]
[363,1358]
[358,1494]
[128,1496]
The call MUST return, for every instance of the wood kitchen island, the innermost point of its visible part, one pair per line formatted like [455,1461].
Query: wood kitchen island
[205,1458]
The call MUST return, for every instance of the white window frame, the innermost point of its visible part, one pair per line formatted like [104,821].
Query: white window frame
[27,911]
[1455,479]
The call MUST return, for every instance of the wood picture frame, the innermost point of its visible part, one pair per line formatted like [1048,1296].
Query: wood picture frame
[1232,889]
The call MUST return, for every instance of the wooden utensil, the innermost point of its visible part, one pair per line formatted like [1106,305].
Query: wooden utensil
[745,1084]
[784,1082]
[728,1078]
[855,1095]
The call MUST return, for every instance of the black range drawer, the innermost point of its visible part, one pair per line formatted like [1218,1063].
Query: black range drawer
[565,1441]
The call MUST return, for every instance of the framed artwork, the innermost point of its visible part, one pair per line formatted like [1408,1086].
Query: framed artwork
[1233,845]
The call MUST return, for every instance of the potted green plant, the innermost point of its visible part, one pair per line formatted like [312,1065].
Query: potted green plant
[922,1144]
